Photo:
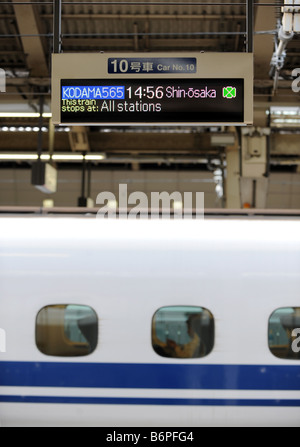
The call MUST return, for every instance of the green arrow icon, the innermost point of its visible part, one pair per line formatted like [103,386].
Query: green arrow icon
[229,92]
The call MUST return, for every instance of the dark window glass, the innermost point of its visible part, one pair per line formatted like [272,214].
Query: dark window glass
[183,332]
[284,333]
[67,330]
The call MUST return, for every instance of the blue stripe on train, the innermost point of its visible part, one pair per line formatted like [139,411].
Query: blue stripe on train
[150,401]
[150,376]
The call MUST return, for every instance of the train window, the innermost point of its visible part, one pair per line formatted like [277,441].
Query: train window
[284,333]
[183,332]
[67,330]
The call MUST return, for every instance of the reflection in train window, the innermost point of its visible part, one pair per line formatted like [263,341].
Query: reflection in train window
[183,332]
[67,330]
[284,333]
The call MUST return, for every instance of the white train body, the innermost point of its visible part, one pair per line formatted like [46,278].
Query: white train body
[241,270]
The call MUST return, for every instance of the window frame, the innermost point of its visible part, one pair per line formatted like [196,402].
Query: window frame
[290,353]
[57,331]
[164,351]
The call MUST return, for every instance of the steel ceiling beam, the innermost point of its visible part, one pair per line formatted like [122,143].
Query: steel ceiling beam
[263,43]
[28,23]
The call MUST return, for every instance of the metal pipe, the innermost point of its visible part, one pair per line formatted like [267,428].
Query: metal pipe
[149,16]
[143,3]
[135,3]
[203,33]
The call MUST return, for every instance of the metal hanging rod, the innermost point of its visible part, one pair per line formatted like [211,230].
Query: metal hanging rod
[216,33]
[202,33]
[123,3]
[3,36]
[109,3]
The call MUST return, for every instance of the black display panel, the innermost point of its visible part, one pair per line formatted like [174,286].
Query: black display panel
[146,101]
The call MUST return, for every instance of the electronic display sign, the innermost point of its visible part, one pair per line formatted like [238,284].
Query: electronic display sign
[152,101]
[151,91]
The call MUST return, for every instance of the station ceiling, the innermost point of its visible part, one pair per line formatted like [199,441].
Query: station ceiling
[26,45]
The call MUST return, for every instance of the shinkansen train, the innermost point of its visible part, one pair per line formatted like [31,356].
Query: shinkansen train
[159,323]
